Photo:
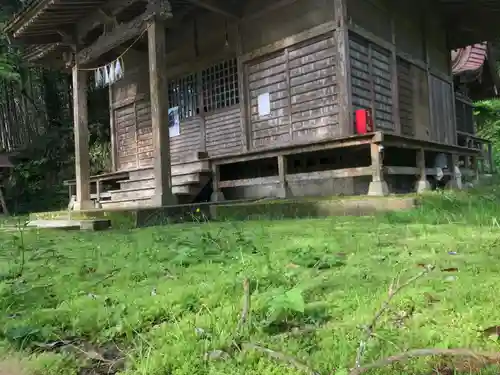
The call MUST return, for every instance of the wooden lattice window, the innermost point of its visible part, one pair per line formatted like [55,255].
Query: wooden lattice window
[220,85]
[183,93]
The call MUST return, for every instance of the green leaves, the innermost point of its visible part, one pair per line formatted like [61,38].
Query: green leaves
[295,300]
[8,69]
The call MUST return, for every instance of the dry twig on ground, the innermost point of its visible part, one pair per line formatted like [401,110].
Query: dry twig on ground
[393,291]
[485,358]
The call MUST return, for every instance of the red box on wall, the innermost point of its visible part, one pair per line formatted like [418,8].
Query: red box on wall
[364,121]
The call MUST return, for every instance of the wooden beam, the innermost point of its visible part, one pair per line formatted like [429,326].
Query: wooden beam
[217,6]
[107,42]
[158,86]
[272,6]
[122,33]
[112,8]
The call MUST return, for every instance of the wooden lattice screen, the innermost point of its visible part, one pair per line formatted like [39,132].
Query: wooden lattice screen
[220,85]
[183,93]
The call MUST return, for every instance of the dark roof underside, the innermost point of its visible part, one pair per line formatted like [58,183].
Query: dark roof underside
[45,21]
[471,21]
[41,21]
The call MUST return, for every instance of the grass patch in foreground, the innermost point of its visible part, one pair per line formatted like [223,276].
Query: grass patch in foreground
[167,300]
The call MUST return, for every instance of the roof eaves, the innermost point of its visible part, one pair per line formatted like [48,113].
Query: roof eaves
[19,19]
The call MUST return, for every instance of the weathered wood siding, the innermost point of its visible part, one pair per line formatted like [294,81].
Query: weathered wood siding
[303,94]
[224,133]
[372,15]
[371,69]
[134,135]
[406,98]
[185,145]
[464,114]
[442,121]
[144,133]
[313,90]
[130,98]
[260,28]
[408,28]
[436,44]
[421,109]
[425,107]
[125,125]
[269,75]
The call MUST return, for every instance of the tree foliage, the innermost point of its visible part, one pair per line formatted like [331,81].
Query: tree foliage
[36,120]
[487,116]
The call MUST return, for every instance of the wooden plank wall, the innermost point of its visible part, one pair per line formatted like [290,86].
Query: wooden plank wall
[132,108]
[313,92]
[443,129]
[405,97]
[269,75]
[125,126]
[421,76]
[301,82]
[223,132]
[371,69]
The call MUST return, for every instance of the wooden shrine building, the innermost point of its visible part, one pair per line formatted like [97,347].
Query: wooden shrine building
[262,98]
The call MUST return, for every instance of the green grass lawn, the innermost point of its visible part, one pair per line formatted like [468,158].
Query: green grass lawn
[168,300]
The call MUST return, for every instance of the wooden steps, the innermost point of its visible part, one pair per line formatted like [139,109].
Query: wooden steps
[69,224]
[187,181]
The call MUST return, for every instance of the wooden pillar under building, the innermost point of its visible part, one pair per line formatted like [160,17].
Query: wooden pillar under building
[423,184]
[81,128]
[475,168]
[491,161]
[217,195]
[158,84]
[283,190]
[378,186]
[454,182]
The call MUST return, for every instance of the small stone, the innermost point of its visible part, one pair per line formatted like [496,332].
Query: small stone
[216,355]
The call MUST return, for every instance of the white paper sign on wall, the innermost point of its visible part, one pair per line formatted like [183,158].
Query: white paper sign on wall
[264,104]
[174,122]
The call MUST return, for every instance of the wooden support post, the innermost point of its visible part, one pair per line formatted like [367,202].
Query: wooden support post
[3,205]
[283,190]
[242,89]
[456,180]
[344,96]
[158,85]
[423,184]
[378,186]
[112,129]
[82,157]
[490,158]
[217,195]
[475,167]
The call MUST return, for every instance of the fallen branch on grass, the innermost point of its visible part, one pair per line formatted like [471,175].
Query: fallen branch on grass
[392,293]
[485,358]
